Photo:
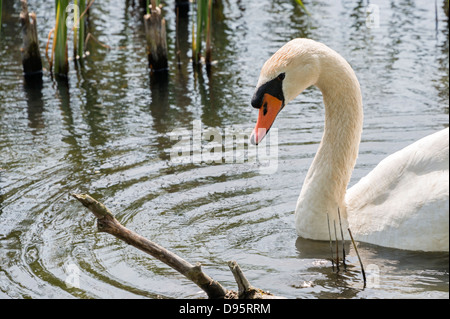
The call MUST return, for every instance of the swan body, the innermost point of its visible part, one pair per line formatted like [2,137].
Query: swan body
[408,204]
[403,203]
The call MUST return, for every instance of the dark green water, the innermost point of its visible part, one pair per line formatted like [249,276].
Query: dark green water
[107,132]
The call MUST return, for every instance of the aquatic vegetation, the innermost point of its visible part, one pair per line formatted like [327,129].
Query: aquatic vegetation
[79,31]
[59,49]
[31,57]
[155,31]
[1,5]
[157,3]
[300,3]
[202,30]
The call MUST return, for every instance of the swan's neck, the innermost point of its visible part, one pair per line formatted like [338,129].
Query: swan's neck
[326,182]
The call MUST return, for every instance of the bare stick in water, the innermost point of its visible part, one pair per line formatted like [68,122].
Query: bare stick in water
[107,223]
[337,246]
[155,33]
[359,258]
[331,244]
[31,57]
[245,290]
[342,238]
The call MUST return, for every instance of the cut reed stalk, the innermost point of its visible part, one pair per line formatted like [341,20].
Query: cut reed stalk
[155,31]
[147,4]
[31,57]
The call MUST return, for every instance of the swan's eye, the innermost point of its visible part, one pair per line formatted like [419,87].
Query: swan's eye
[281,76]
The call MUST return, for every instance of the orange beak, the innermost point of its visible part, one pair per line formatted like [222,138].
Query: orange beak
[269,110]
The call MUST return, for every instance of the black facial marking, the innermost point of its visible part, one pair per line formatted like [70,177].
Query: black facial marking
[273,87]
[265,108]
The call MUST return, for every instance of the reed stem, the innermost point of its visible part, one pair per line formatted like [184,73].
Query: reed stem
[331,243]
[342,238]
[208,34]
[359,257]
[1,6]
[79,31]
[61,66]
[300,3]
[197,37]
[337,246]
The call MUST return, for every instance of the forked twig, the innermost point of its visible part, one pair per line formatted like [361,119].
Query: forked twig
[106,222]
[245,289]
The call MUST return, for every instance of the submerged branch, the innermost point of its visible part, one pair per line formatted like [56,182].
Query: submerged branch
[107,223]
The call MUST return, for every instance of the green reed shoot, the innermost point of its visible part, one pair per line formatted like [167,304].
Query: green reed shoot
[202,26]
[300,3]
[197,43]
[60,38]
[208,34]
[79,32]
[1,5]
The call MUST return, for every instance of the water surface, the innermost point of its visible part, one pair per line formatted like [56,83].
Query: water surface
[107,132]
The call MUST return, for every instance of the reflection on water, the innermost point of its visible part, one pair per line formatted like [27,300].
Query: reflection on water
[35,105]
[389,272]
[106,131]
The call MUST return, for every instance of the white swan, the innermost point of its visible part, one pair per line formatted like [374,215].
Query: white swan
[403,203]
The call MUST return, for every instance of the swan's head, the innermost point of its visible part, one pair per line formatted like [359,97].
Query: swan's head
[292,69]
